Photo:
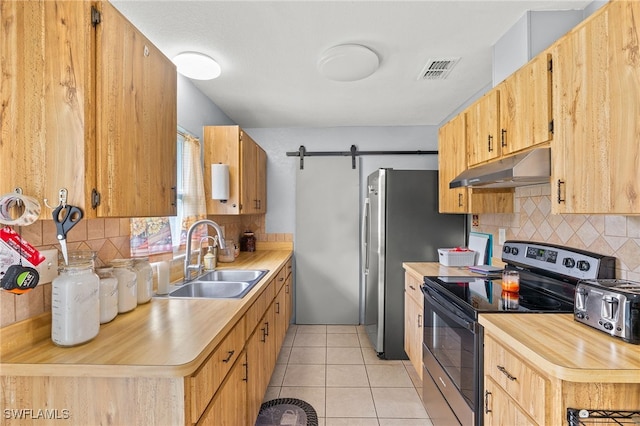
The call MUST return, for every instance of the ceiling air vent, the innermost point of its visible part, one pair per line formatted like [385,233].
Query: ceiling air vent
[438,69]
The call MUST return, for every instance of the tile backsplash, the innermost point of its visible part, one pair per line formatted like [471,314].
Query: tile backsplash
[109,238]
[617,236]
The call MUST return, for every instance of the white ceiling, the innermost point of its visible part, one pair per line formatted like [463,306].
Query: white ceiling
[269,51]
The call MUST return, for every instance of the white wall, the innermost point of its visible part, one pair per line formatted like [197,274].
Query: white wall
[195,110]
[281,169]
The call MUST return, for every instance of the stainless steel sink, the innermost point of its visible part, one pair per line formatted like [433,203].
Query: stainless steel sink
[212,289]
[221,284]
[233,275]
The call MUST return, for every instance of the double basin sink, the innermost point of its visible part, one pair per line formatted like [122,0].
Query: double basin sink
[221,284]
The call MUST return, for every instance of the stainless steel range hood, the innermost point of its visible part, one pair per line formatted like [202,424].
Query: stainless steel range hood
[529,168]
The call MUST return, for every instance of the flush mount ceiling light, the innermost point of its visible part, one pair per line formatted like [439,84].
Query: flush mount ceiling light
[197,66]
[348,62]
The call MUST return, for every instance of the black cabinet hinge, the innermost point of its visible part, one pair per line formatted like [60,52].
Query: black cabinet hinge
[95,198]
[551,127]
[96,16]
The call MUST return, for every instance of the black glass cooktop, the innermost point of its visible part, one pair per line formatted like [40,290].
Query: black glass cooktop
[485,294]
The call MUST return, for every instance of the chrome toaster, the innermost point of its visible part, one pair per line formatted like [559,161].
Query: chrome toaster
[611,306]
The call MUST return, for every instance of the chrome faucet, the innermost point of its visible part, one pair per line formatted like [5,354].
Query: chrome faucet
[188,267]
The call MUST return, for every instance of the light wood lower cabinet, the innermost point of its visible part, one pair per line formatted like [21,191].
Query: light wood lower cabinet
[229,407]
[517,393]
[413,321]
[226,389]
[500,409]
[525,387]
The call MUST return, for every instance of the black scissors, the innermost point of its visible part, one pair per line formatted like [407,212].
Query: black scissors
[65,217]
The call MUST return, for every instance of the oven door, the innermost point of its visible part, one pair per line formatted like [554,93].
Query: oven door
[452,355]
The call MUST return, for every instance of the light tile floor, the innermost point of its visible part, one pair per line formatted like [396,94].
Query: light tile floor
[335,369]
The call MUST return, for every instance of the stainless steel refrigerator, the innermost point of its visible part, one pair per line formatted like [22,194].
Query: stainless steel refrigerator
[400,224]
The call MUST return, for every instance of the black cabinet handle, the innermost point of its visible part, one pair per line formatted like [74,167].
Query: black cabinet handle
[503,137]
[560,199]
[506,373]
[229,356]
[486,402]
[490,143]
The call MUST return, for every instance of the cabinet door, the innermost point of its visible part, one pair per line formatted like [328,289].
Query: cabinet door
[135,122]
[452,160]
[248,176]
[483,126]
[596,108]
[46,96]
[229,406]
[261,180]
[500,409]
[413,332]
[222,145]
[525,106]
[281,320]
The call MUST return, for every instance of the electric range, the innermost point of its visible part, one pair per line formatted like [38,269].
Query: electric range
[453,338]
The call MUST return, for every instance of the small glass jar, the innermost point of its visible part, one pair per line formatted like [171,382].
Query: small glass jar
[108,294]
[79,257]
[144,274]
[248,242]
[127,284]
[510,281]
[226,254]
[75,305]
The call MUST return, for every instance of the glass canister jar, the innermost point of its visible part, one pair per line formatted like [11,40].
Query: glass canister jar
[248,241]
[144,274]
[226,254]
[75,305]
[108,294]
[127,284]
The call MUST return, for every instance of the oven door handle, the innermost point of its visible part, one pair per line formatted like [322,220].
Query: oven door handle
[436,306]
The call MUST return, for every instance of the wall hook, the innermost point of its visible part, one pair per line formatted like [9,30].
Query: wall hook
[62,199]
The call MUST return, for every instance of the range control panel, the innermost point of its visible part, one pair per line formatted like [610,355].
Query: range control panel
[567,261]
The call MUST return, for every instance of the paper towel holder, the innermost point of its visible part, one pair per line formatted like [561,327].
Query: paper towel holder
[220,182]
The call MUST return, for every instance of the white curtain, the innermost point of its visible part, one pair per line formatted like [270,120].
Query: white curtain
[194,206]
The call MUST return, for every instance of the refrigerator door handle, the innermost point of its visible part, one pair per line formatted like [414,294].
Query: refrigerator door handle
[365,234]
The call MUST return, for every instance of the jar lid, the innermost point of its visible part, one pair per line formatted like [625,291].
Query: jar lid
[116,263]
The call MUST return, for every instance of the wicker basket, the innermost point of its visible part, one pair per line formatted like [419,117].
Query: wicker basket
[453,257]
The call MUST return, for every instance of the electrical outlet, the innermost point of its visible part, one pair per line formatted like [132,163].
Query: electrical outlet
[48,269]
[502,236]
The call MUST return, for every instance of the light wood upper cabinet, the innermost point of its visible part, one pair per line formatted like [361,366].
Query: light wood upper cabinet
[254,176]
[525,106]
[247,170]
[596,99]
[86,108]
[136,124]
[483,129]
[452,160]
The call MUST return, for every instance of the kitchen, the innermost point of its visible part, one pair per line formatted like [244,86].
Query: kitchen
[607,234]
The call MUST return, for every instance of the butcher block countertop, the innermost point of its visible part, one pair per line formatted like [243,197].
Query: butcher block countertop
[565,348]
[162,338]
[435,269]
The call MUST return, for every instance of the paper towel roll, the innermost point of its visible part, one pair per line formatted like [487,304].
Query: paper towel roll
[162,271]
[220,181]
[29,205]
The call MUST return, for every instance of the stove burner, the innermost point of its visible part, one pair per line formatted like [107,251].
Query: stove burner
[538,303]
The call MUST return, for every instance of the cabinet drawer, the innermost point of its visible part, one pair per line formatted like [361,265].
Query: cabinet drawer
[205,382]
[280,278]
[289,267]
[525,385]
[412,288]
